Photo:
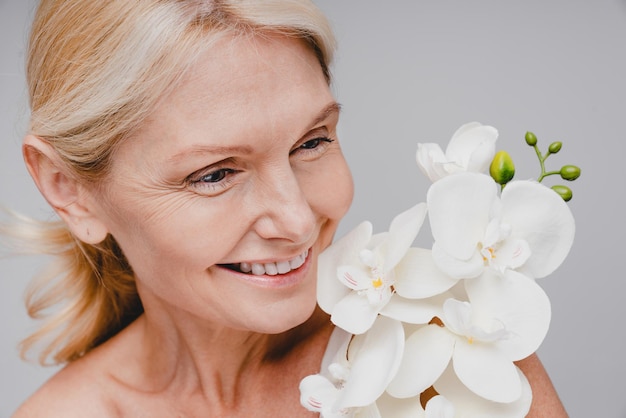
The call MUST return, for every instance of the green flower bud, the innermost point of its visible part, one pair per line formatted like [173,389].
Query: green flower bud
[502,168]
[570,172]
[531,139]
[564,191]
[555,147]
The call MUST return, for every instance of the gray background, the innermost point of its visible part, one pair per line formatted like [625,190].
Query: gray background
[413,71]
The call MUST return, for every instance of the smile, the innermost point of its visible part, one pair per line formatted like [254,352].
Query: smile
[271,269]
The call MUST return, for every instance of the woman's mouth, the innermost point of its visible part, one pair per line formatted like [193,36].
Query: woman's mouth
[270,269]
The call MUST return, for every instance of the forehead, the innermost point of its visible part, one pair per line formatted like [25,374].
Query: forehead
[239,88]
[237,68]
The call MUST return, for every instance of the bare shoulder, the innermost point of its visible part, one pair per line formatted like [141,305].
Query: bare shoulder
[85,387]
[546,402]
[78,390]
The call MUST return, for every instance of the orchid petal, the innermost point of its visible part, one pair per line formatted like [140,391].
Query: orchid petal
[473,146]
[452,167]
[343,251]
[461,132]
[517,302]
[427,353]
[336,350]
[317,393]
[486,371]
[374,358]
[400,408]
[459,208]
[480,159]
[513,253]
[439,407]
[377,240]
[428,155]
[354,313]
[456,268]
[458,291]
[457,315]
[461,318]
[355,278]
[474,406]
[417,275]
[414,311]
[493,233]
[402,232]
[543,219]
[369,411]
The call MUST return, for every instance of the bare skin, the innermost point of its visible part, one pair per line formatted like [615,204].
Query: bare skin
[115,381]
[546,402]
[197,191]
[98,385]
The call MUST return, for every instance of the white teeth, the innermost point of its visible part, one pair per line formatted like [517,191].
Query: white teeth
[283,267]
[258,269]
[296,262]
[273,269]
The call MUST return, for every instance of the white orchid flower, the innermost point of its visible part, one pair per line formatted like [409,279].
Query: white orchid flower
[436,407]
[469,405]
[529,228]
[471,148]
[391,407]
[505,320]
[362,368]
[359,275]
[454,400]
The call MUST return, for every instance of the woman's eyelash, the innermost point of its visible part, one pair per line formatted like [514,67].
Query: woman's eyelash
[212,179]
[215,176]
[312,144]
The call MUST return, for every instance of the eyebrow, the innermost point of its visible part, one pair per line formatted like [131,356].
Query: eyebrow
[327,111]
[211,149]
[330,109]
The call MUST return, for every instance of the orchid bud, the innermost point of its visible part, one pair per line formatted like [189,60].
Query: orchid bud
[570,172]
[531,139]
[555,147]
[502,168]
[564,191]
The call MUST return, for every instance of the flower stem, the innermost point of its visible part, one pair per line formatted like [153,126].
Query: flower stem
[542,160]
[549,173]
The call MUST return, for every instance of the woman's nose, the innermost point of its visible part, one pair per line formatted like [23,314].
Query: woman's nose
[285,212]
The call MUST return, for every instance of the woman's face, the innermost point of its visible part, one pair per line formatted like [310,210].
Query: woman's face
[226,196]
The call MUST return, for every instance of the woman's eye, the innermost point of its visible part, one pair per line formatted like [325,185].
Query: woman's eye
[215,176]
[313,144]
[212,182]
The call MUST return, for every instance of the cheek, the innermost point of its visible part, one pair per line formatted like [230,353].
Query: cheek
[183,231]
[329,189]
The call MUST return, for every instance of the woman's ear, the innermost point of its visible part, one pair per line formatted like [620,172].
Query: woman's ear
[63,192]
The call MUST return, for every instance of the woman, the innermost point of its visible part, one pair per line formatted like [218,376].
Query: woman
[190,150]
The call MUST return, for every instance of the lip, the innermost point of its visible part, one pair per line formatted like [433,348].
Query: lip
[293,278]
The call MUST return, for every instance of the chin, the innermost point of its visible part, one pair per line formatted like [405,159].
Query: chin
[290,315]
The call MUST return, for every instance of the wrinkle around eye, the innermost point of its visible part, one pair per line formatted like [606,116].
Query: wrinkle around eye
[204,178]
[208,188]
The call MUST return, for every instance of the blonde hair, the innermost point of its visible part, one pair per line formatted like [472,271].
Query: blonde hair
[95,71]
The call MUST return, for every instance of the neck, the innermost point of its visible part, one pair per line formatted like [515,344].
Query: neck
[187,357]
